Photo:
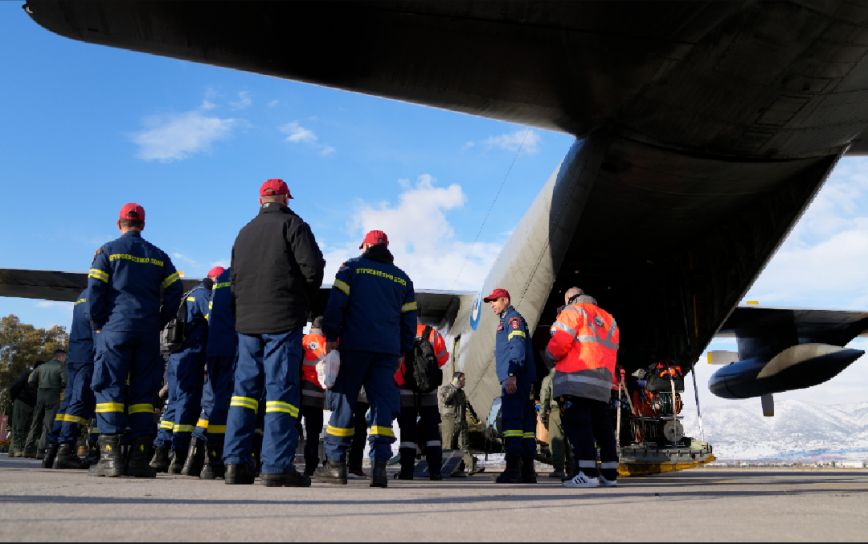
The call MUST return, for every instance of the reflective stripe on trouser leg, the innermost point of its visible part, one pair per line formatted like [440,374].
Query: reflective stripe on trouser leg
[249,385]
[342,401]
[81,401]
[384,398]
[516,408]
[201,430]
[221,372]
[60,417]
[146,376]
[167,418]
[577,422]
[190,372]
[282,358]
[113,355]
[604,436]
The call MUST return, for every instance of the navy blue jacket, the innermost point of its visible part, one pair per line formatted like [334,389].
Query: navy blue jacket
[128,281]
[372,305]
[80,333]
[196,318]
[513,351]
[222,338]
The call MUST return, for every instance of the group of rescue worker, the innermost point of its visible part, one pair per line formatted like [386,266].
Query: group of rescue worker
[242,374]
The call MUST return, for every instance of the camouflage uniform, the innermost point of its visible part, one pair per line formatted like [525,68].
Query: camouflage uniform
[453,422]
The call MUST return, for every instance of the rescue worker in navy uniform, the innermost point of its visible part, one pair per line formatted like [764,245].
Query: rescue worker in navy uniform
[189,452]
[372,309]
[585,350]
[134,291]
[78,399]
[421,406]
[516,372]
[163,441]
[220,360]
[277,269]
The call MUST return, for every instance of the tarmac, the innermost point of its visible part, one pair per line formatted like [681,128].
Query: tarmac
[703,504]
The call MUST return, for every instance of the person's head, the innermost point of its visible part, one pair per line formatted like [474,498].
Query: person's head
[374,238]
[215,272]
[132,217]
[316,323]
[572,293]
[274,190]
[458,379]
[499,300]
[59,355]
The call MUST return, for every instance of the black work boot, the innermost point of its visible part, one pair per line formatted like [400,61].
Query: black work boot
[379,478]
[240,474]
[140,453]
[408,463]
[110,463]
[92,454]
[289,478]
[434,456]
[48,455]
[333,472]
[195,458]
[179,457]
[160,460]
[512,473]
[528,472]
[214,467]
[67,458]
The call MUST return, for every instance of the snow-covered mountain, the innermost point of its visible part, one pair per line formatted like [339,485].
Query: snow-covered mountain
[799,431]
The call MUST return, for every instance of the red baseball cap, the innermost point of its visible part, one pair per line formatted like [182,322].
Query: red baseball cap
[274,187]
[132,212]
[496,294]
[375,237]
[215,272]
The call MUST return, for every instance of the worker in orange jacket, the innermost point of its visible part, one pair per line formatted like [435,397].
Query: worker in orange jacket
[312,394]
[584,347]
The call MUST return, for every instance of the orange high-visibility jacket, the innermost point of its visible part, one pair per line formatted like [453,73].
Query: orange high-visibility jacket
[585,346]
[440,351]
[314,350]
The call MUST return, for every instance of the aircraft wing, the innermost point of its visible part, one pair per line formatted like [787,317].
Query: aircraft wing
[436,307]
[835,327]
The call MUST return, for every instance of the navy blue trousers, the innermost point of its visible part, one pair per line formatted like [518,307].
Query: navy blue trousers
[518,421]
[271,362]
[78,401]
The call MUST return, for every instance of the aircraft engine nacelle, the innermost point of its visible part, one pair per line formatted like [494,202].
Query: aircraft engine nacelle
[796,367]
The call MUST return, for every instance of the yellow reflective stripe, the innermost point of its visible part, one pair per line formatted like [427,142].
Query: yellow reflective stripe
[69,418]
[221,285]
[382,431]
[528,435]
[202,423]
[513,434]
[182,428]
[343,286]
[280,406]
[339,431]
[140,409]
[515,333]
[409,307]
[244,402]
[133,258]
[96,273]
[106,407]
[217,429]
[59,417]
[79,301]
[164,424]
[191,299]
[170,279]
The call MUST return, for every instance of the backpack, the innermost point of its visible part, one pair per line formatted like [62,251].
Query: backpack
[422,373]
[173,335]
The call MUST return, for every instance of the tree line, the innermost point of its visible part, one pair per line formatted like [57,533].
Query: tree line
[22,344]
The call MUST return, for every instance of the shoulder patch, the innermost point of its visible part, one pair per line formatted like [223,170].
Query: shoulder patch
[515,323]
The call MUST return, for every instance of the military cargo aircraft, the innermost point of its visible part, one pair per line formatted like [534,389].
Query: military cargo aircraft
[704,129]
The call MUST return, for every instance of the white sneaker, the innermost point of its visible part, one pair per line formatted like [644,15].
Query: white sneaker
[580,480]
[607,483]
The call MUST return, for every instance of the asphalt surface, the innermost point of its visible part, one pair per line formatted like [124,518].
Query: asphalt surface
[705,504]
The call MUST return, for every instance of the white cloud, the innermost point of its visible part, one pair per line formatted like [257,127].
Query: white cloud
[172,137]
[244,101]
[273,103]
[295,133]
[45,304]
[524,140]
[421,238]
[208,102]
[327,151]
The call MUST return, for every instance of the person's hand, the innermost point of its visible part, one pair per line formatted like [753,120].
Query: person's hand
[510,385]
[330,346]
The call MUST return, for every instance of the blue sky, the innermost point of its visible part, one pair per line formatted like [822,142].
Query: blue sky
[86,128]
